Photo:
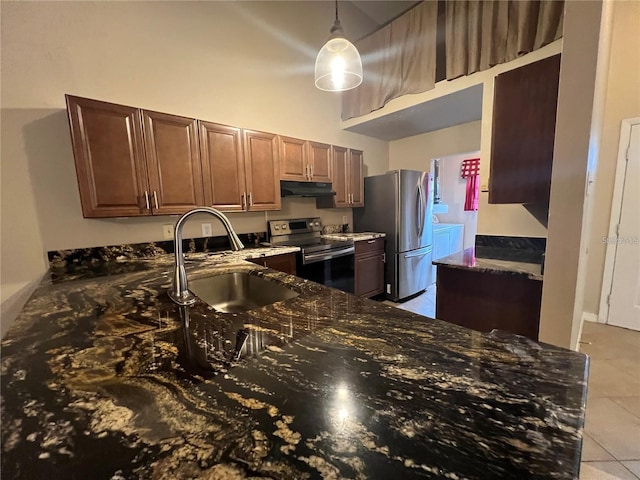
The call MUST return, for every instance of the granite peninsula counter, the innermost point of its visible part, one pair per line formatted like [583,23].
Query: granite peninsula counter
[105,377]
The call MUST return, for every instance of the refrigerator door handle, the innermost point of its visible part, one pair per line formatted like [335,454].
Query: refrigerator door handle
[418,210]
[422,210]
[412,255]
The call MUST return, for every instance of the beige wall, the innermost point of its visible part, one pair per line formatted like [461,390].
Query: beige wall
[622,100]
[248,64]
[415,153]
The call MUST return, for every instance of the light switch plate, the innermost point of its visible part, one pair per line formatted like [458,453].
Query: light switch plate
[344,219]
[167,231]
[206,229]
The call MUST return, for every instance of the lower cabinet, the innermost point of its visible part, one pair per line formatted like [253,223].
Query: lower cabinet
[369,267]
[448,238]
[283,263]
[485,301]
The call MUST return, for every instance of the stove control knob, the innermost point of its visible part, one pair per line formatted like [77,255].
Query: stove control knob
[317,224]
[277,227]
[284,226]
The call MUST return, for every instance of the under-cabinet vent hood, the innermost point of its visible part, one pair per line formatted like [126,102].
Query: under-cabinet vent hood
[305,189]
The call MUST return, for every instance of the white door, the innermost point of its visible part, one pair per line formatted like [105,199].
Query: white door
[624,307]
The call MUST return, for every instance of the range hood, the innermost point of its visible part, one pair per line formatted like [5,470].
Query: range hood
[305,189]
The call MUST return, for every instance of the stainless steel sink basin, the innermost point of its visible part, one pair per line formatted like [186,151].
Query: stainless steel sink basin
[238,291]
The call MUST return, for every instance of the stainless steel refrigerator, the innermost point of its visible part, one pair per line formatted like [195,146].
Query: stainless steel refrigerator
[400,204]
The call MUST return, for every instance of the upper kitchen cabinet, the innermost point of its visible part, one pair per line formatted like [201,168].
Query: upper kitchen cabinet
[109,155]
[173,163]
[356,178]
[347,178]
[319,161]
[294,160]
[524,120]
[223,167]
[304,161]
[262,171]
[131,162]
[240,169]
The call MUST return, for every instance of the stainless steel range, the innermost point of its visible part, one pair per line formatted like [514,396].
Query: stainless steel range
[330,262]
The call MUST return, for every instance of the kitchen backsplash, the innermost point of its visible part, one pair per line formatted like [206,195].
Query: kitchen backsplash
[538,244]
[115,253]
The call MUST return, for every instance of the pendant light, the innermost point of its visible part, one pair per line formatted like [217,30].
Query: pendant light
[338,64]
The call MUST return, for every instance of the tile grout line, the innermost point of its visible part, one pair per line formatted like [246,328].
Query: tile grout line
[627,469]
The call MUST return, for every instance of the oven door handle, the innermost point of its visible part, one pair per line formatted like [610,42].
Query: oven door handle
[318,257]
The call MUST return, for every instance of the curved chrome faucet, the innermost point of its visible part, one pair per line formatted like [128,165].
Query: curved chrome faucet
[179,291]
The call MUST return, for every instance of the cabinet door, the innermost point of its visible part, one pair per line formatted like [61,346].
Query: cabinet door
[223,166]
[109,157]
[262,170]
[369,275]
[173,163]
[456,239]
[294,164]
[524,120]
[441,243]
[320,162]
[340,177]
[356,178]
[285,262]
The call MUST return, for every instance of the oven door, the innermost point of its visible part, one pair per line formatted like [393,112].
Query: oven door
[337,272]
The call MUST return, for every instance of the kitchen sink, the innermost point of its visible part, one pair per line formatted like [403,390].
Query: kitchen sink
[238,292]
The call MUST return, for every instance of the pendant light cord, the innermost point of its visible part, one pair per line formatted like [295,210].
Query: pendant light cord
[336,10]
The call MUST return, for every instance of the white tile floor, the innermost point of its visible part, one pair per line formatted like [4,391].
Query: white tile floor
[611,448]
[611,441]
[424,304]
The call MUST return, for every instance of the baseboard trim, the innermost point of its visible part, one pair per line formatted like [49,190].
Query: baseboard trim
[590,317]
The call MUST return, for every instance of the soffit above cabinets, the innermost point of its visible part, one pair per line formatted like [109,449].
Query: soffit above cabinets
[456,108]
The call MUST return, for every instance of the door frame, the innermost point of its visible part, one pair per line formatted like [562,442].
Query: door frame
[614,219]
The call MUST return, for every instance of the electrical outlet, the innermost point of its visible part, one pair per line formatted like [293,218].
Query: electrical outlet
[344,219]
[206,230]
[167,231]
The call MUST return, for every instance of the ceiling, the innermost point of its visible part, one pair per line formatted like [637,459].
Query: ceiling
[454,109]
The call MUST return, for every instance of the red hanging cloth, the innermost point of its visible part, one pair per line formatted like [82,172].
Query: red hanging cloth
[471,171]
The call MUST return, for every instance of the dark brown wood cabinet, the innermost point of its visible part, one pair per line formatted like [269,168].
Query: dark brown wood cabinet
[369,267]
[109,155]
[285,262]
[524,119]
[304,161]
[135,162]
[485,301]
[240,168]
[223,167]
[356,178]
[173,163]
[347,177]
[132,162]
[262,171]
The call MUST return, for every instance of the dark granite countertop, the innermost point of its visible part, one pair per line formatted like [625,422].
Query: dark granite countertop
[105,378]
[496,260]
